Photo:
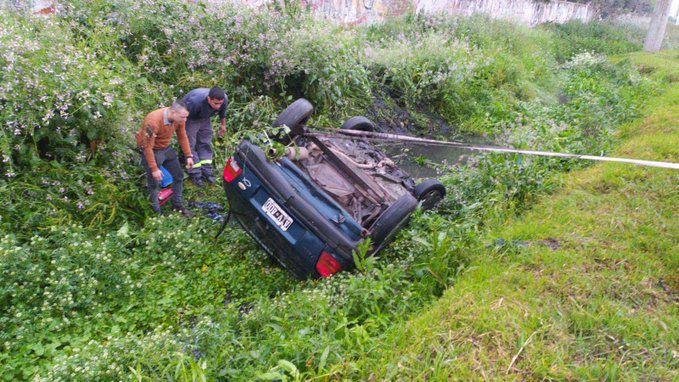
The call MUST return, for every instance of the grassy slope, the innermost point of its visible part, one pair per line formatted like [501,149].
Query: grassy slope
[584,285]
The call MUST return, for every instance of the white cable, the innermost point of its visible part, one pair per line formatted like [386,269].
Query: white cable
[640,162]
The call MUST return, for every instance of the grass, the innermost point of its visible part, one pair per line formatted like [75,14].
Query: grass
[662,66]
[94,288]
[582,286]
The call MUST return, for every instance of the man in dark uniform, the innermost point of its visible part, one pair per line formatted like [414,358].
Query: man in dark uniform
[202,104]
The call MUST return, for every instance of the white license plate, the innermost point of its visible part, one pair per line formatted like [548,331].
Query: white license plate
[277,214]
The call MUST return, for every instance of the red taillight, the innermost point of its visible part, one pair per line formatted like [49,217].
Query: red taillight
[232,170]
[327,265]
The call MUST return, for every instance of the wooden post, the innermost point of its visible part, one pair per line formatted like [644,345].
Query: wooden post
[656,31]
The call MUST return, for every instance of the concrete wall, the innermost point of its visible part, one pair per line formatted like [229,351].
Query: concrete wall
[523,11]
[366,11]
[642,21]
[359,11]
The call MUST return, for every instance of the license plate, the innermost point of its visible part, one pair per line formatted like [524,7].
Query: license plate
[274,211]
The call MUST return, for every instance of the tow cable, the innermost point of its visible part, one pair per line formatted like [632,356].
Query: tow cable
[499,149]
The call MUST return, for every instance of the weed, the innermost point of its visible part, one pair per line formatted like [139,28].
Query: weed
[93,288]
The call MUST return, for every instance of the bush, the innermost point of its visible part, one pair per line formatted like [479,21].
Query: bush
[246,52]
[599,37]
[324,64]
[58,101]
[55,195]
[595,98]
[470,71]
[92,289]
[419,71]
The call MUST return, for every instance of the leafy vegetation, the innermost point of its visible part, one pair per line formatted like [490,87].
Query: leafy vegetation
[582,286]
[92,287]
[577,37]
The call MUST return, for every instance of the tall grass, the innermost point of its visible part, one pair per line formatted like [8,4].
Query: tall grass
[91,288]
[597,37]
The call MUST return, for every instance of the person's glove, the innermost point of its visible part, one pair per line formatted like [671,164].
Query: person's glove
[189,162]
[157,175]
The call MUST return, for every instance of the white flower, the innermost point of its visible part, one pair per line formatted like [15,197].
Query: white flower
[108,99]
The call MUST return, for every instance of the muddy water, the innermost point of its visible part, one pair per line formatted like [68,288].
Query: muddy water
[422,160]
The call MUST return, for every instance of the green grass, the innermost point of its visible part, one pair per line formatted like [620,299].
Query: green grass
[94,288]
[582,286]
[661,66]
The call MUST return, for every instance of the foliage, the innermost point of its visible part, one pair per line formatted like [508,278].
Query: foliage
[91,288]
[58,102]
[595,98]
[581,286]
[599,37]
[57,195]
[321,62]
[469,71]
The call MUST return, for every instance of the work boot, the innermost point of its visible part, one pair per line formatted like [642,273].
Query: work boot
[197,180]
[185,212]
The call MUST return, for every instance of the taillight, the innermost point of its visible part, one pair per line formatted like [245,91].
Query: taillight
[327,265]
[232,170]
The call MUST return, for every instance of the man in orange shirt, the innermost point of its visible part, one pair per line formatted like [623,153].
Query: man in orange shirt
[154,140]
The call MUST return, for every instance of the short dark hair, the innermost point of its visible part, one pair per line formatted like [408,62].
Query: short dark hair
[217,93]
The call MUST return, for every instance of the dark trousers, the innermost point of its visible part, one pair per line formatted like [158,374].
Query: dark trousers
[167,158]
[200,135]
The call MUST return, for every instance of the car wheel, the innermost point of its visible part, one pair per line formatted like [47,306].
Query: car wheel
[391,220]
[295,117]
[358,123]
[430,193]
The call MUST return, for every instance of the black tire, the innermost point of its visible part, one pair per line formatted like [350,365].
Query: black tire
[358,123]
[430,193]
[391,221]
[295,117]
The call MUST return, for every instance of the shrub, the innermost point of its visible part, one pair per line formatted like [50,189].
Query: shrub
[599,37]
[470,71]
[323,63]
[248,53]
[91,289]
[55,194]
[419,71]
[58,101]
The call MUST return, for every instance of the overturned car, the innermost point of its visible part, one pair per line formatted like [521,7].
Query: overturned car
[311,208]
